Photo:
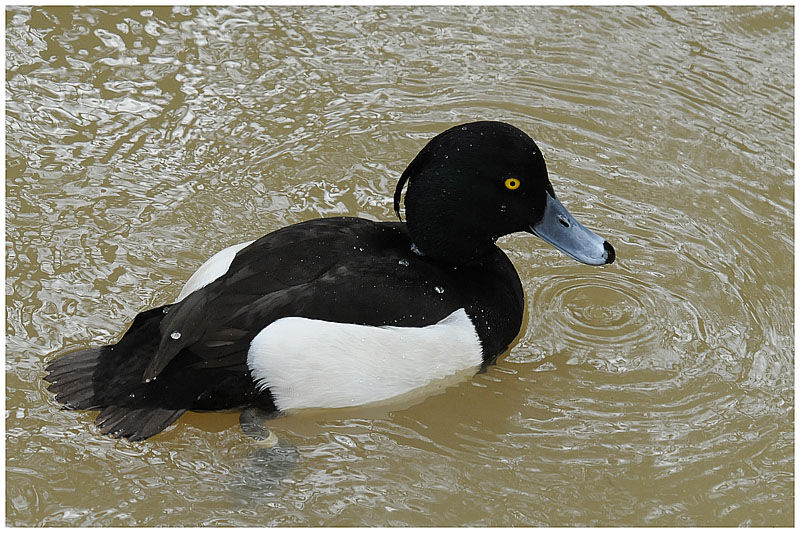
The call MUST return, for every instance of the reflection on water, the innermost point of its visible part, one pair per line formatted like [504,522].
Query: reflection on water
[260,476]
[656,391]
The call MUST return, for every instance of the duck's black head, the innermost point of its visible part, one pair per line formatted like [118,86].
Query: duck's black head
[479,181]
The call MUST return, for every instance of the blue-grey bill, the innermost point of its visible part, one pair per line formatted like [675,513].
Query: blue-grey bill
[561,230]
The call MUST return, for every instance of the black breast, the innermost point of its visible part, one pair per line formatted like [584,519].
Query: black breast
[494,300]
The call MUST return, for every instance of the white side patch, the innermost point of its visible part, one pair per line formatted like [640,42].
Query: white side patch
[315,363]
[214,267]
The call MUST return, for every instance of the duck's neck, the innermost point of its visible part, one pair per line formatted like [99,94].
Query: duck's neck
[448,245]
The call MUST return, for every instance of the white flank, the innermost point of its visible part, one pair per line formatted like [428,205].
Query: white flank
[214,267]
[315,363]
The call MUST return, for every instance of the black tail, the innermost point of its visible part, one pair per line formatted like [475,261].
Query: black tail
[109,379]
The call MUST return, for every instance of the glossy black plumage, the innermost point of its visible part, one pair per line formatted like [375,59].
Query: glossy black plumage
[347,270]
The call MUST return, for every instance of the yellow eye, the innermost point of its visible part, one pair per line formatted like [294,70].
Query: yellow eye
[512,184]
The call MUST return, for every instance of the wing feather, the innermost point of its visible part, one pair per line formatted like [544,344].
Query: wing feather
[342,270]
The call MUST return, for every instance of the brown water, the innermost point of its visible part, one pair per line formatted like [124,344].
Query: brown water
[656,391]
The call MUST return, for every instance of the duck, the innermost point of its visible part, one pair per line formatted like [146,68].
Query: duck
[342,311]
